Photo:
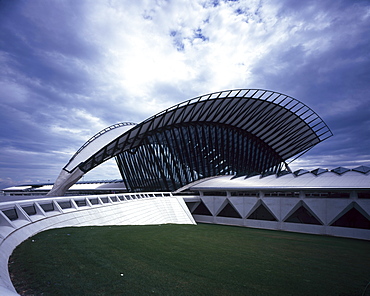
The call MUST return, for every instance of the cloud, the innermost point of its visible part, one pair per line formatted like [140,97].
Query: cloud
[69,69]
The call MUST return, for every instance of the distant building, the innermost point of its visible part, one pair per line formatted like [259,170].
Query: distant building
[79,188]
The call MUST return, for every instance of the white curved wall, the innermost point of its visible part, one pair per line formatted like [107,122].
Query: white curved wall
[116,209]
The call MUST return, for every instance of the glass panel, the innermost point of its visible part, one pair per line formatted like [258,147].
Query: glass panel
[11,214]
[47,207]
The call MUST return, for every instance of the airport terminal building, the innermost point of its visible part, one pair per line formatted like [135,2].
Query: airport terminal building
[219,158]
[237,133]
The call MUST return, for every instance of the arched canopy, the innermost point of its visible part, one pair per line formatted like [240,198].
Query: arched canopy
[97,142]
[283,124]
[71,173]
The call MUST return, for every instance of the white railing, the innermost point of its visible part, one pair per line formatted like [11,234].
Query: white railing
[22,219]
[14,214]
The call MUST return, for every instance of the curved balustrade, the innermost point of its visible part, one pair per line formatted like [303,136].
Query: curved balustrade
[21,219]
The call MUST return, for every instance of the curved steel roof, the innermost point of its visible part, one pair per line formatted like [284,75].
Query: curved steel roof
[285,124]
[96,142]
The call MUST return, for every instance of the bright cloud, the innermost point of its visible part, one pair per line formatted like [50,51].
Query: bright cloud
[71,68]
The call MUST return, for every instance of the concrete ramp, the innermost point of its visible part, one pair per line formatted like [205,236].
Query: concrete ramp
[22,219]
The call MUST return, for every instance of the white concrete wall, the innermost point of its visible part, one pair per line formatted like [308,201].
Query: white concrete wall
[121,209]
[326,209]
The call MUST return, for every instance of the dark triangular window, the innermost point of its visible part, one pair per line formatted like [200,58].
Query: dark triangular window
[262,213]
[202,209]
[303,215]
[229,211]
[191,205]
[354,219]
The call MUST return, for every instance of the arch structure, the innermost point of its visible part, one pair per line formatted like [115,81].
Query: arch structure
[234,132]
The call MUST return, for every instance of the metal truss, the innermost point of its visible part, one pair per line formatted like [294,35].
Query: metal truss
[174,156]
[229,132]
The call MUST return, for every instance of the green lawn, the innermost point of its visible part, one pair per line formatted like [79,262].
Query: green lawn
[189,260]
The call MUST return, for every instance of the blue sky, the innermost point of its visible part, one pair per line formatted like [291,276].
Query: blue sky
[68,69]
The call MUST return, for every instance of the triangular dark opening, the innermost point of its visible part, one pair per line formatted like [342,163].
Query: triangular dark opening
[229,211]
[354,219]
[191,205]
[202,209]
[262,213]
[302,215]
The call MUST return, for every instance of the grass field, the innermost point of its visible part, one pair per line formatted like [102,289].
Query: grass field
[188,260]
